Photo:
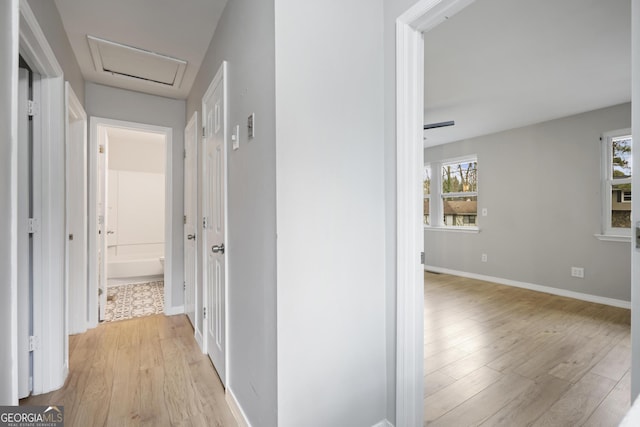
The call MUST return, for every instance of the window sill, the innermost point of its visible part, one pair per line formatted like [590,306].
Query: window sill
[472,230]
[612,238]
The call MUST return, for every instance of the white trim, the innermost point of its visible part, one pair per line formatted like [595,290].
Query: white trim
[424,15]
[612,238]
[76,138]
[95,124]
[48,312]
[533,287]
[607,183]
[383,423]
[459,229]
[198,336]
[236,409]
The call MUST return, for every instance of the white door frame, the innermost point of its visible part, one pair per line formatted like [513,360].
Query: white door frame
[221,75]
[192,125]
[99,124]
[49,365]
[76,139]
[410,27]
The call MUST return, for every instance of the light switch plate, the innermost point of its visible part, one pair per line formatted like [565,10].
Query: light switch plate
[235,137]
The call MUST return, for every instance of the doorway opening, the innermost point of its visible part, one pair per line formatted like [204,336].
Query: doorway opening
[130,219]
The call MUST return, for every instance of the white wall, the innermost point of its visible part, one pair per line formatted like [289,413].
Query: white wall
[51,25]
[245,38]
[541,187]
[332,364]
[119,104]
[8,203]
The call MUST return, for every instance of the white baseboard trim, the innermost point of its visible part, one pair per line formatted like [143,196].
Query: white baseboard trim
[383,423]
[533,287]
[236,409]
[198,336]
[172,311]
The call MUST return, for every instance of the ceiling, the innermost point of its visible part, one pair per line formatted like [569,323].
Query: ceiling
[181,29]
[503,64]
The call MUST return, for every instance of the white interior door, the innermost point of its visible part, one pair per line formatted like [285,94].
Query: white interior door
[190,208]
[214,212]
[24,256]
[102,223]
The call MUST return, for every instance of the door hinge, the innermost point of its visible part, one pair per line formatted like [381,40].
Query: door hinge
[32,226]
[101,149]
[33,343]
[184,220]
[421,257]
[204,133]
[204,309]
[32,108]
[185,153]
[184,286]
[204,223]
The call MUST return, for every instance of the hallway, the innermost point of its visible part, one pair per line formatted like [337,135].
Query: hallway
[140,372]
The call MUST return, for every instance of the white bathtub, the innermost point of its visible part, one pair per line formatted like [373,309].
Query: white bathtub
[137,265]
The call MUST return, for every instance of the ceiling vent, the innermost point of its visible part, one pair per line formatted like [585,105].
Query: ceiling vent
[131,62]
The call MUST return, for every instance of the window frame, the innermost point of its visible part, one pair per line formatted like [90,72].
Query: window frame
[607,183]
[437,197]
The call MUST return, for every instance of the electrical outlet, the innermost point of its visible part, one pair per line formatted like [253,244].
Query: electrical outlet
[577,272]
[484,212]
[484,257]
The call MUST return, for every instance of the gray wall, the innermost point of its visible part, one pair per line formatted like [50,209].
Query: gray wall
[541,186]
[50,22]
[119,104]
[332,364]
[245,38]
[8,141]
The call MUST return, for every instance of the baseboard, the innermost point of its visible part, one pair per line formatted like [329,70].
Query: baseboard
[172,311]
[198,336]
[236,409]
[383,423]
[533,287]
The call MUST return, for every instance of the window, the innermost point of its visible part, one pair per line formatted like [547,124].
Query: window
[616,183]
[451,195]
[426,187]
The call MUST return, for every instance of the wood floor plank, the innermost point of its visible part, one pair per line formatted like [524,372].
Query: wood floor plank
[570,357]
[530,404]
[475,410]
[578,403]
[141,372]
[614,407]
[453,395]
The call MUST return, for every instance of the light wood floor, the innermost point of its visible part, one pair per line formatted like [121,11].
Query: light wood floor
[497,355]
[141,372]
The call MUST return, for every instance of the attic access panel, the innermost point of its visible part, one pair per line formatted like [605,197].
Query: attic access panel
[131,62]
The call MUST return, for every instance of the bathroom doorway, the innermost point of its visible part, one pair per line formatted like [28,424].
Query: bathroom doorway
[131,225]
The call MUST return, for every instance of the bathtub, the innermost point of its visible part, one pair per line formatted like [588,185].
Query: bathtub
[134,265]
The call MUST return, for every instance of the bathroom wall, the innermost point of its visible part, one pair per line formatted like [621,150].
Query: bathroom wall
[136,198]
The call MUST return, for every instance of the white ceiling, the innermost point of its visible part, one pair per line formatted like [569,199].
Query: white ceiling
[503,64]
[177,28]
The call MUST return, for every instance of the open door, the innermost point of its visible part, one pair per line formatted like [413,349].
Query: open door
[102,222]
[214,207]
[190,212]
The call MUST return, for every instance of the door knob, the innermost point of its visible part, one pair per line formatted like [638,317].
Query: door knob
[191,237]
[218,248]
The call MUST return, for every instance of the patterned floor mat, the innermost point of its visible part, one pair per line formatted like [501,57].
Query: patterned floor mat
[134,300]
